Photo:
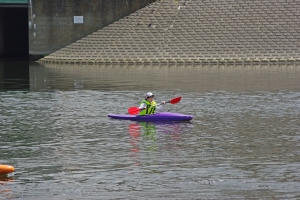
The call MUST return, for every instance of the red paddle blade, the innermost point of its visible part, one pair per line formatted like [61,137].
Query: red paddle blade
[133,110]
[175,100]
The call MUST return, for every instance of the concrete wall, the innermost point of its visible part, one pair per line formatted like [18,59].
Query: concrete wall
[52,26]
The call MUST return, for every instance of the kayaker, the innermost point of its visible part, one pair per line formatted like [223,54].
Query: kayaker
[149,106]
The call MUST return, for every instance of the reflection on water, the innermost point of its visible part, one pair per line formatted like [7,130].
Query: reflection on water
[151,136]
[242,143]
[5,190]
[201,78]
[14,75]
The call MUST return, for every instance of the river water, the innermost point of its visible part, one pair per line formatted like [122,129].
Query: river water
[243,142]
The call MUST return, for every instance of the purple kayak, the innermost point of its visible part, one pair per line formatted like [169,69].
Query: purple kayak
[162,116]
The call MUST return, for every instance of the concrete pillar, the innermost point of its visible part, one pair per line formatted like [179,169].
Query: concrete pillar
[1,32]
[57,23]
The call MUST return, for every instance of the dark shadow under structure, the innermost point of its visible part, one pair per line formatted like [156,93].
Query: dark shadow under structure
[14,42]
[14,47]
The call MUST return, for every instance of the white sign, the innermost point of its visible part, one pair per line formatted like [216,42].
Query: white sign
[78,19]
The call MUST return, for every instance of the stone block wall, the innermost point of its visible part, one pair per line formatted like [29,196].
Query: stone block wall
[195,31]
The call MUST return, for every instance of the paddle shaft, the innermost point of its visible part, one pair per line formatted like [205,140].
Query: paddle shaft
[136,110]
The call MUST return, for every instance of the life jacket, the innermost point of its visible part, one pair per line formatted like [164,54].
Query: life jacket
[150,109]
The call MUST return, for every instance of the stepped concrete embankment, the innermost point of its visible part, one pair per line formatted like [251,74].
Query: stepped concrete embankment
[194,31]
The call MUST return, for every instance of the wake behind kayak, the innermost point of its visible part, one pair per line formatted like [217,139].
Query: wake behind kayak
[162,116]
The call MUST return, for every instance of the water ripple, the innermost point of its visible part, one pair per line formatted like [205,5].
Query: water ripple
[239,145]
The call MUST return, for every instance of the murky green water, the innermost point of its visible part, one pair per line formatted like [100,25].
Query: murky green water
[243,142]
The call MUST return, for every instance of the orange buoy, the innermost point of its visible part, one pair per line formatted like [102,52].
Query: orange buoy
[5,169]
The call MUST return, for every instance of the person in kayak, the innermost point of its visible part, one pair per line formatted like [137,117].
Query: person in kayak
[148,105]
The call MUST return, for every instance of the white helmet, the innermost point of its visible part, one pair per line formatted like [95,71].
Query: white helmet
[149,94]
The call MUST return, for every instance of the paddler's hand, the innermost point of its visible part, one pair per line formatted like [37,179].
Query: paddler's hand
[163,102]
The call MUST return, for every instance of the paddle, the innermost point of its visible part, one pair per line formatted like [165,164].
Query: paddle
[136,110]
